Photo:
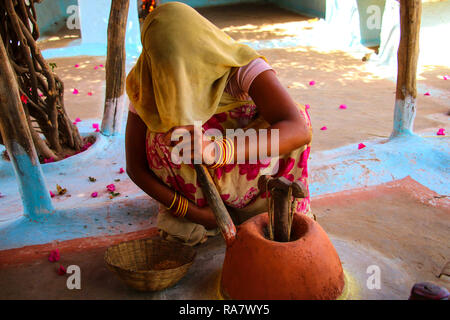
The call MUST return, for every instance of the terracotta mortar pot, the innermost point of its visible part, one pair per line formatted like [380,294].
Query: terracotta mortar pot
[306,268]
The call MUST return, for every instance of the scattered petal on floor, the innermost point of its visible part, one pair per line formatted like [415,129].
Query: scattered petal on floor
[61,270]
[97,130]
[95,125]
[77,65]
[96,67]
[121,170]
[307,106]
[312,82]
[49,160]
[323,128]
[111,187]
[94,194]
[361,146]
[54,256]
[86,146]
[89,93]
[75,91]
[446,77]
[441,132]
[427,94]
[100,65]
[77,120]
[342,106]
[51,194]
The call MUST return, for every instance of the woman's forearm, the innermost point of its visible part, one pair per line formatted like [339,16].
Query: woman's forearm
[150,184]
[144,178]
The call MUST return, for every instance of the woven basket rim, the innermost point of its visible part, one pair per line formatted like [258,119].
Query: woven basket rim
[162,271]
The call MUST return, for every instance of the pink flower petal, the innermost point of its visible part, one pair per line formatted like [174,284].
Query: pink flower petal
[75,91]
[121,170]
[427,94]
[96,67]
[86,146]
[312,82]
[342,106]
[361,146]
[49,160]
[77,120]
[41,94]
[100,65]
[95,125]
[307,106]
[61,270]
[89,93]
[77,65]
[94,194]
[51,194]
[441,132]
[24,99]
[323,128]
[111,187]
[446,77]
[75,123]
[97,130]
[54,256]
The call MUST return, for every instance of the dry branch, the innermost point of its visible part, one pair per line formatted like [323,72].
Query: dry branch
[42,91]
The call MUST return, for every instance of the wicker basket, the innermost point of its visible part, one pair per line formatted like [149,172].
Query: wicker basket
[150,264]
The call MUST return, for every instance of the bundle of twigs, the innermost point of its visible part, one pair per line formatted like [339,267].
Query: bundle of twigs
[41,90]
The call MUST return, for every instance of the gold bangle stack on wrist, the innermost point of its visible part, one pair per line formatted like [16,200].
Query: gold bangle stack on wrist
[226,153]
[182,206]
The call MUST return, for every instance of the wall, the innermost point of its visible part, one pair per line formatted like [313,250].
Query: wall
[206,3]
[370,17]
[313,8]
[52,15]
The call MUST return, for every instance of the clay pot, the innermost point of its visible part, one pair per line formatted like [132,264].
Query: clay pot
[305,268]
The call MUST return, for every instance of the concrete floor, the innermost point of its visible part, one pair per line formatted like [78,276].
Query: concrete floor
[401,227]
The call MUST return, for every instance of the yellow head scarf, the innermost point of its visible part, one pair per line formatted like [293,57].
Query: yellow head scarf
[183,69]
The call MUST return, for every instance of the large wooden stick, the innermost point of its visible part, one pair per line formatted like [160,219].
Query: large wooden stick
[215,202]
[19,144]
[408,54]
[115,67]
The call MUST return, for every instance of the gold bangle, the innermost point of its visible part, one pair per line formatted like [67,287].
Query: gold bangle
[180,201]
[219,161]
[182,207]
[229,150]
[173,201]
[185,207]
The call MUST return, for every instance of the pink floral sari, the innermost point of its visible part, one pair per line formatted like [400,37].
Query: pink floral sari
[236,183]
